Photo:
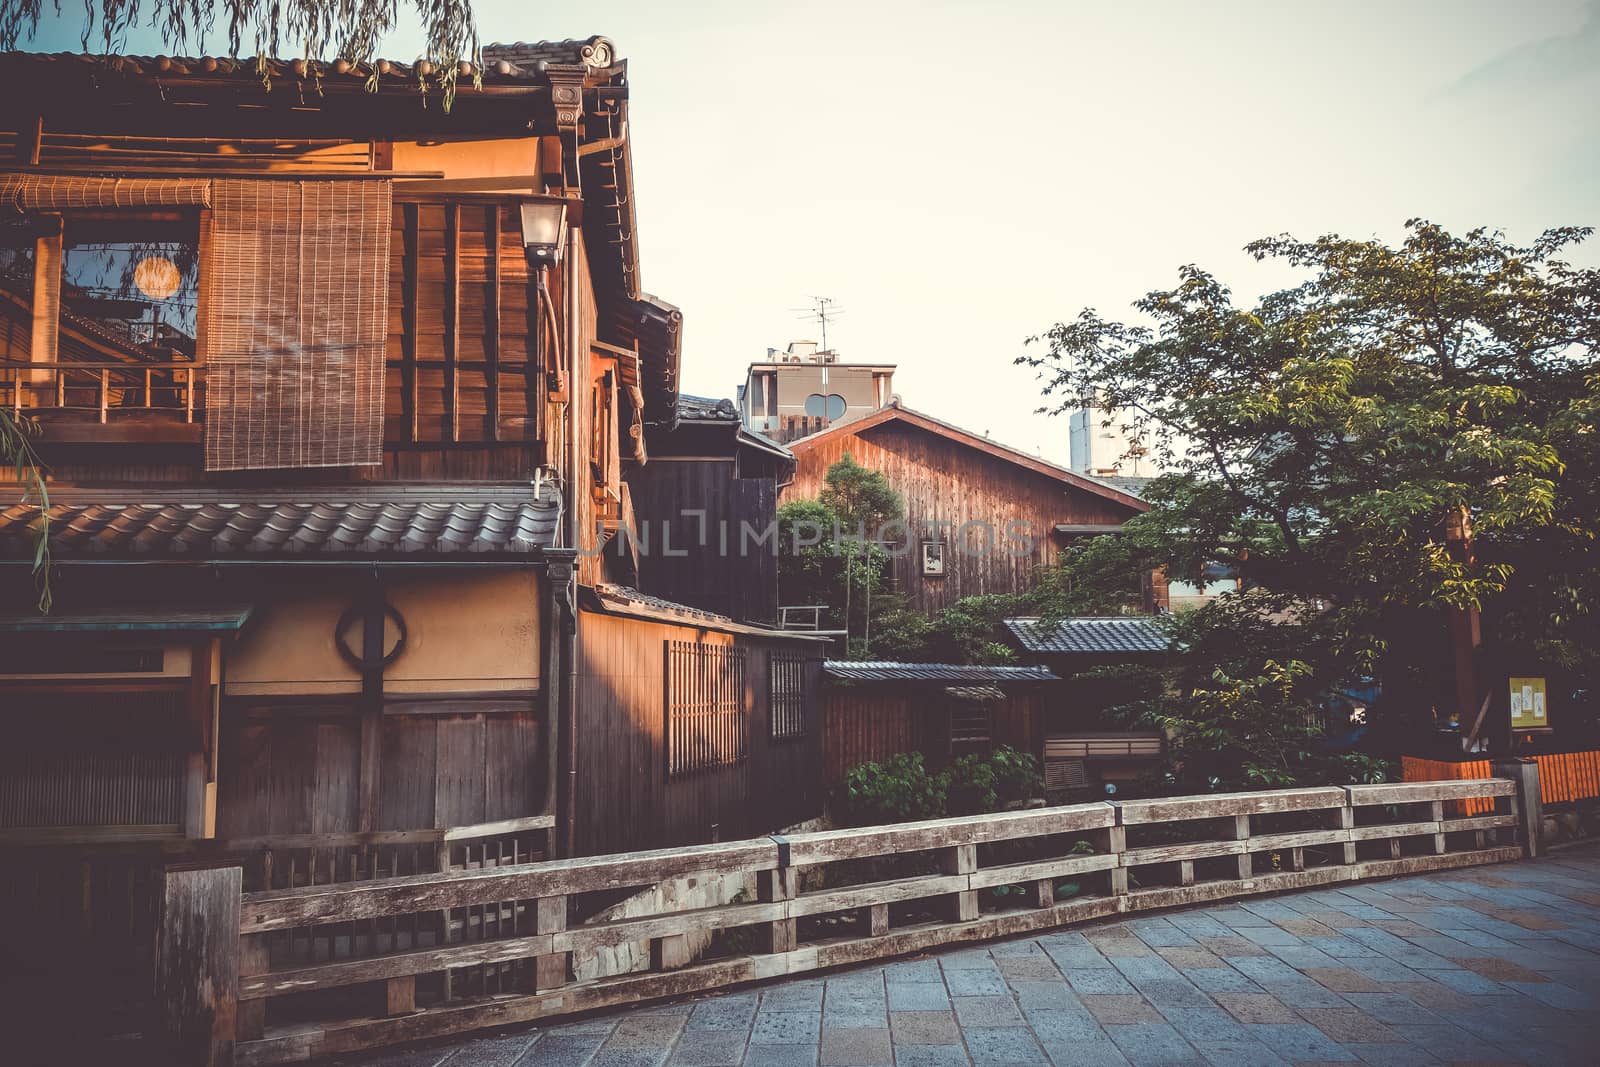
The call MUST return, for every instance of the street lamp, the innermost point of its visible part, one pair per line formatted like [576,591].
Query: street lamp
[542,224]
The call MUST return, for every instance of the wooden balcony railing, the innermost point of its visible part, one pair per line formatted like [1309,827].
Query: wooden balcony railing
[823,900]
[101,388]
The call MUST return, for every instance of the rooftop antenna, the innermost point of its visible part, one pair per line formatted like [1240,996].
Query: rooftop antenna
[821,310]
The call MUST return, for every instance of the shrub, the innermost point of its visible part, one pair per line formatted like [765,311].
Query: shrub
[986,782]
[896,790]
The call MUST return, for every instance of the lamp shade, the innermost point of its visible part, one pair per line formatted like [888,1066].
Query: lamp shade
[542,223]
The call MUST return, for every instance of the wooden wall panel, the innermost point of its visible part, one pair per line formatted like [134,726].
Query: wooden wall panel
[950,483]
[864,725]
[296,770]
[626,800]
[719,575]
[409,782]
[869,724]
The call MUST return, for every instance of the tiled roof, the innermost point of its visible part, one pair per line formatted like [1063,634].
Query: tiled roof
[897,412]
[503,63]
[129,620]
[1131,484]
[626,600]
[852,671]
[706,409]
[317,521]
[1090,634]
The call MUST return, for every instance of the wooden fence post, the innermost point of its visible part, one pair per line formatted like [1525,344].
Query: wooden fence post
[1116,845]
[255,958]
[776,885]
[197,964]
[550,917]
[1239,830]
[960,859]
[1345,816]
[1527,804]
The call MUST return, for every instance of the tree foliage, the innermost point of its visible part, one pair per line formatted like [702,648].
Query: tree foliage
[16,453]
[1319,441]
[319,30]
[829,552]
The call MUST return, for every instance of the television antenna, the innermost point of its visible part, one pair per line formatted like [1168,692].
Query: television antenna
[823,309]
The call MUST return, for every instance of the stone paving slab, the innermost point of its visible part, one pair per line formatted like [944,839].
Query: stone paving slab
[1490,965]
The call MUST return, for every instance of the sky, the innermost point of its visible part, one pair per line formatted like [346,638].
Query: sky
[958,176]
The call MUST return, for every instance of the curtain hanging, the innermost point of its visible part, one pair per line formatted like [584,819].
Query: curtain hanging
[294,321]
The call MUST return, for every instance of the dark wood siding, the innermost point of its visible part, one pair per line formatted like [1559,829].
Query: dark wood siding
[870,723]
[288,770]
[722,572]
[626,800]
[944,481]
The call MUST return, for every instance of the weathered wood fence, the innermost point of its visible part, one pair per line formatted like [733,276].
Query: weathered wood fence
[825,899]
[78,905]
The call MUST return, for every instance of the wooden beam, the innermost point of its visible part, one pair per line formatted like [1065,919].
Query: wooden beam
[452,319]
[371,758]
[493,326]
[30,135]
[408,341]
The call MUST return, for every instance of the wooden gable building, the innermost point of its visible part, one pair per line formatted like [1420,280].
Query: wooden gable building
[980,517]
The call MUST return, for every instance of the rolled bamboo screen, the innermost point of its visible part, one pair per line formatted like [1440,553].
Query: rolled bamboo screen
[62,192]
[294,317]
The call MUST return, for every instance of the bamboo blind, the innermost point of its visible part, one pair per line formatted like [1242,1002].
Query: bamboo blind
[706,723]
[294,317]
[91,789]
[63,192]
[788,686]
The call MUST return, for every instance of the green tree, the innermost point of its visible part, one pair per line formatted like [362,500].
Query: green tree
[829,554]
[319,30]
[862,498]
[1319,440]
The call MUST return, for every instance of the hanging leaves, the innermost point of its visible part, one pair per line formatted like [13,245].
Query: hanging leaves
[321,30]
[17,455]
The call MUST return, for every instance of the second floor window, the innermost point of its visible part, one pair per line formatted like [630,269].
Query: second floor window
[100,287]
[130,286]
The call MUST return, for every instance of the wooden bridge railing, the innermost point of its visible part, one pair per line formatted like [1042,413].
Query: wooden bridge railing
[824,899]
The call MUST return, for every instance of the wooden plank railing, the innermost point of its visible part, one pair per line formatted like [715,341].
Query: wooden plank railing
[102,388]
[824,899]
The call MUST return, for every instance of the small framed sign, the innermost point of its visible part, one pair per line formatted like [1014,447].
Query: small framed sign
[1530,709]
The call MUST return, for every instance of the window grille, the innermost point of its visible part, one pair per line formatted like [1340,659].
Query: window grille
[788,686]
[706,722]
[969,723]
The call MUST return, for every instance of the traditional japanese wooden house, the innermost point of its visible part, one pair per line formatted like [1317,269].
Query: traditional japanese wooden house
[705,506]
[876,710]
[1082,747]
[980,517]
[339,394]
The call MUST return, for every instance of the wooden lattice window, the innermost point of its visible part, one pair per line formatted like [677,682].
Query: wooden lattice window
[706,722]
[787,684]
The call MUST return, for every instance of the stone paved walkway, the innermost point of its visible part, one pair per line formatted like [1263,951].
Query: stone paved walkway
[1497,964]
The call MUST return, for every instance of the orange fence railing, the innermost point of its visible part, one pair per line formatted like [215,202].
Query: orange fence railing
[1563,776]
[1417,769]
[1568,776]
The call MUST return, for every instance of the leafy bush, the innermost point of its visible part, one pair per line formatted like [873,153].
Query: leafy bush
[985,782]
[896,790]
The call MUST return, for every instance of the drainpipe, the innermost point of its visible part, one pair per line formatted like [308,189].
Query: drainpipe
[563,574]
[561,751]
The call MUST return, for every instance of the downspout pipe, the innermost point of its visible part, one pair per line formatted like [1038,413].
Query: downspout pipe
[567,577]
[561,751]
